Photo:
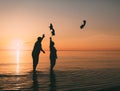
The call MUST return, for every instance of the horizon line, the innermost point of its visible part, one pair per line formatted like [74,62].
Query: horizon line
[61,50]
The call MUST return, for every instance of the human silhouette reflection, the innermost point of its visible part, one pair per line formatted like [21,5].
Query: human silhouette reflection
[52,81]
[53,54]
[35,81]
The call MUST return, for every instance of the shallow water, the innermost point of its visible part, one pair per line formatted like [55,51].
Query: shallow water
[74,71]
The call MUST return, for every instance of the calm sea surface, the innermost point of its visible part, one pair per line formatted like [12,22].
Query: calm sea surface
[74,71]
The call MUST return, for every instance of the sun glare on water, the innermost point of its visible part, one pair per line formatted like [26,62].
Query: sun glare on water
[17,53]
[17,49]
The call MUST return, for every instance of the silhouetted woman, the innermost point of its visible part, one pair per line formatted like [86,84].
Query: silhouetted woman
[36,51]
[53,54]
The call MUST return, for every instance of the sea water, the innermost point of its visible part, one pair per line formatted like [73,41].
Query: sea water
[74,71]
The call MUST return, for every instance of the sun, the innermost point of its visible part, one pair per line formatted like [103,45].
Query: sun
[18,45]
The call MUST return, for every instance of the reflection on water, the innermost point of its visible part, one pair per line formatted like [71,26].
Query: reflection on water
[17,61]
[52,81]
[35,81]
[17,68]
[17,56]
[74,71]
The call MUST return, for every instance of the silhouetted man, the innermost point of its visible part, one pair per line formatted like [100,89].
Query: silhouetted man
[36,51]
[53,54]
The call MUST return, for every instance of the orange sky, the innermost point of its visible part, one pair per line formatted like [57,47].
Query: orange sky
[21,22]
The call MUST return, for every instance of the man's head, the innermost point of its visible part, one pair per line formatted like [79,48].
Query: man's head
[39,39]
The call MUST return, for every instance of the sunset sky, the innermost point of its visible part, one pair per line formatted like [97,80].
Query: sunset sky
[22,21]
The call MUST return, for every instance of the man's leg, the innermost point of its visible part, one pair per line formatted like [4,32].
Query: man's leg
[35,62]
[34,67]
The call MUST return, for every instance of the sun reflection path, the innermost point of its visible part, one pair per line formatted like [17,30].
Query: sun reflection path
[17,58]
